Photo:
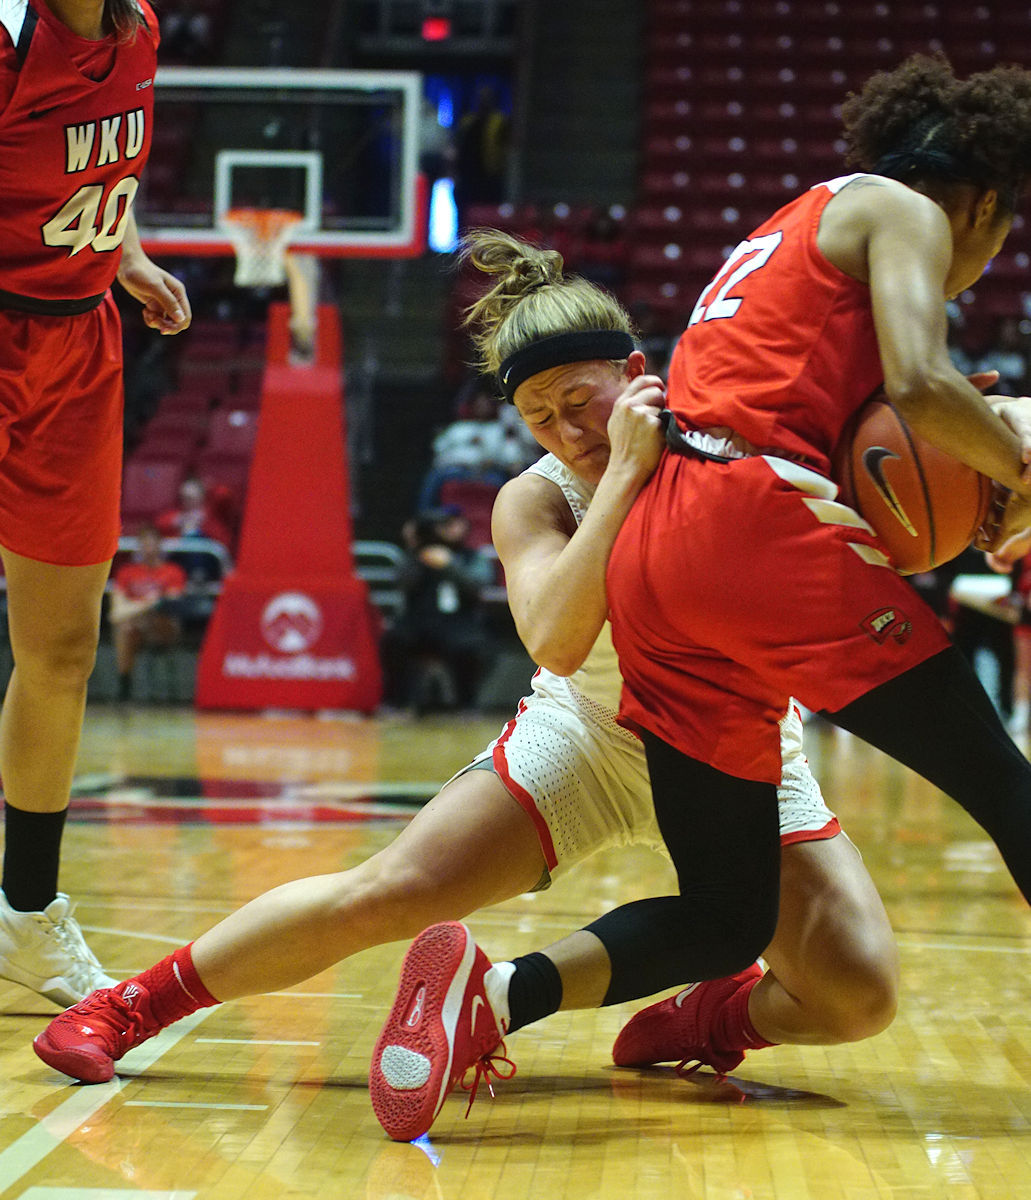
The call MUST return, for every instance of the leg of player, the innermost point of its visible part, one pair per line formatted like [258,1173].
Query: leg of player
[716,926]
[833,977]
[471,846]
[127,638]
[834,967]
[833,974]
[54,619]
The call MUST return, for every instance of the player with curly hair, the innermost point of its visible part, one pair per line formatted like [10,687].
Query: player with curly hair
[738,578]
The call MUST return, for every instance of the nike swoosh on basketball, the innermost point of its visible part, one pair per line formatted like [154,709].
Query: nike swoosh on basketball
[873,461]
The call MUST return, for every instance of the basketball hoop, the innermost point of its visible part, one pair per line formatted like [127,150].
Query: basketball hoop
[260,237]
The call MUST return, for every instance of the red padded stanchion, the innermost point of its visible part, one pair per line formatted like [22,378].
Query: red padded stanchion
[294,626]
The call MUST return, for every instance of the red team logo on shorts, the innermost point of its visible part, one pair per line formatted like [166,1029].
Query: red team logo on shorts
[887,623]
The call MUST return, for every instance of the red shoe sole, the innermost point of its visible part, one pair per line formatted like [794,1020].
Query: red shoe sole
[414,1036]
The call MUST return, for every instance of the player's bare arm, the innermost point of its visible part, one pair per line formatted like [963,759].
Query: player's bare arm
[554,570]
[910,255]
[166,306]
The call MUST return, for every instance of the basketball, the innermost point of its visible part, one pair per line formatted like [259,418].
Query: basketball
[924,505]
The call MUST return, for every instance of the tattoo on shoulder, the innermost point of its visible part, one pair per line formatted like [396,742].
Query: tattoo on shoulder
[868,181]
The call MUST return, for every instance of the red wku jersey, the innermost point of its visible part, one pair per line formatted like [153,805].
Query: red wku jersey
[138,581]
[781,346]
[71,150]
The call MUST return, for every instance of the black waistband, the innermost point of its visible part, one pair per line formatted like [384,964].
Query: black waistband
[49,308]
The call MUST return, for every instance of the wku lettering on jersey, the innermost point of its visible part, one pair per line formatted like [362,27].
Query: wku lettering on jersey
[105,141]
[76,122]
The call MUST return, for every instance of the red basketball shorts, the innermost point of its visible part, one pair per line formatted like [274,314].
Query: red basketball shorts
[61,435]
[733,586]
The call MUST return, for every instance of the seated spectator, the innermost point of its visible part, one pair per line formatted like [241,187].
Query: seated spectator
[479,445]
[434,655]
[144,609]
[195,516]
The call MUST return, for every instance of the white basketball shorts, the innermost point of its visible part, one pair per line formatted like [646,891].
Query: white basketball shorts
[583,780]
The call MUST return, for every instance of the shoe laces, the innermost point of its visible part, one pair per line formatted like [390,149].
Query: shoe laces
[69,937]
[688,1066]
[491,1063]
[127,1026]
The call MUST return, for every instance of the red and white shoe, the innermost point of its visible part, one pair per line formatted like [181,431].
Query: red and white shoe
[678,1029]
[87,1039]
[441,1025]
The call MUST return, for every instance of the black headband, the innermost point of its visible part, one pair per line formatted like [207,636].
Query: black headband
[560,349]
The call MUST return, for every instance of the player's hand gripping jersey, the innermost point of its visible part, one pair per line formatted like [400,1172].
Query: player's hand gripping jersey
[583,779]
[75,131]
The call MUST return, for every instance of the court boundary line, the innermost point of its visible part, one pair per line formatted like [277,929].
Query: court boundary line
[53,1130]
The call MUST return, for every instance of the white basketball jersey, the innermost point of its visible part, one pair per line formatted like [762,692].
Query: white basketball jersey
[595,687]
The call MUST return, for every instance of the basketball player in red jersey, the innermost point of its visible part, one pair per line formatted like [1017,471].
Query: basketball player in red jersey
[76,102]
[738,579]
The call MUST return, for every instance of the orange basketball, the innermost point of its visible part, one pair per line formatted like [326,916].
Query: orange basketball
[924,505]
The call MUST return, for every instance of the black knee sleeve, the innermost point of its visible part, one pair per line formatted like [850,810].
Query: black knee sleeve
[723,835]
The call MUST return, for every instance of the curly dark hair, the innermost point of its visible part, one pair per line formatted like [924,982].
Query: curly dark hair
[919,123]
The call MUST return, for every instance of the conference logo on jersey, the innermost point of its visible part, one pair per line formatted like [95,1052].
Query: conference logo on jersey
[887,623]
[291,622]
[873,461]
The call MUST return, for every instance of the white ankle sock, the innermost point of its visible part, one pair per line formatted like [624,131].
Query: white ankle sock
[495,984]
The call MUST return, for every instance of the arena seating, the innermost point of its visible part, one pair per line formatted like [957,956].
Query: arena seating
[205,426]
[741,109]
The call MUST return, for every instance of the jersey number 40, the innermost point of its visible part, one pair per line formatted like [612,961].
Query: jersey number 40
[90,219]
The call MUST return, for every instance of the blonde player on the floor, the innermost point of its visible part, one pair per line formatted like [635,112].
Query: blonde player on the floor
[562,781]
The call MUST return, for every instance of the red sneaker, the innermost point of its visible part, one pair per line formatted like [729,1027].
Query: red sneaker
[441,1025]
[87,1039]
[678,1028]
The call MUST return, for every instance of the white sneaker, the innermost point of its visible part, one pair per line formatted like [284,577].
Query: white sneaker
[45,952]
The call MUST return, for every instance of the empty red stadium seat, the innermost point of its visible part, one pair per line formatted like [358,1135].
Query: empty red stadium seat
[149,488]
[231,432]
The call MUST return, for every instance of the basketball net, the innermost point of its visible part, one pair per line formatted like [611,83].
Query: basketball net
[260,238]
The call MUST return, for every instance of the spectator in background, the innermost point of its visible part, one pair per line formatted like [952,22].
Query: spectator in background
[434,656]
[478,445]
[195,516]
[144,607]
[481,153]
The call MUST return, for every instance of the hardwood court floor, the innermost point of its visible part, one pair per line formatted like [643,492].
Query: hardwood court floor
[179,818]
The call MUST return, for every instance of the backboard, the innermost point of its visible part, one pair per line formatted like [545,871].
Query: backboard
[340,147]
